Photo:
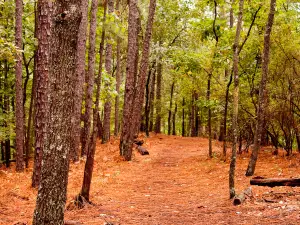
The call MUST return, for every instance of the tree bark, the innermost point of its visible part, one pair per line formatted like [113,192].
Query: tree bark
[52,191]
[118,81]
[126,141]
[90,79]
[158,96]
[42,76]
[170,109]
[89,165]
[79,81]
[19,91]
[183,118]
[174,120]
[108,68]
[235,99]
[151,101]
[262,90]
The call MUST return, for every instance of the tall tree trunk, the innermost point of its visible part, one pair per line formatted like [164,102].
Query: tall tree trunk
[170,109]
[89,165]
[52,191]
[90,78]
[79,81]
[235,98]
[183,118]
[174,120]
[118,81]
[28,141]
[158,96]
[209,116]
[151,101]
[151,75]
[6,112]
[19,91]
[108,68]
[262,90]
[125,139]
[42,76]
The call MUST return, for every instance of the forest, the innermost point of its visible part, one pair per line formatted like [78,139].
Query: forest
[149,112]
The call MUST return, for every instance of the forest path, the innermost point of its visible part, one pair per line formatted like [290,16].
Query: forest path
[175,185]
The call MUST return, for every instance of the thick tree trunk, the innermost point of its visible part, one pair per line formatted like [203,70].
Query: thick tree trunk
[42,76]
[262,90]
[158,96]
[79,81]
[108,68]
[89,165]
[235,99]
[52,192]
[90,79]
[19,91]
[170,109]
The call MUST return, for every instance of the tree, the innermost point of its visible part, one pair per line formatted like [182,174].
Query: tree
[235,98]
[52,191]
[133,100]
[79,81]
[90,79]
[262,90]
[42,78]
[108,68]
[89,165]
[19,91]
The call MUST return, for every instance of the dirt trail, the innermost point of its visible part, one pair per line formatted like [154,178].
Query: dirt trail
[175,184]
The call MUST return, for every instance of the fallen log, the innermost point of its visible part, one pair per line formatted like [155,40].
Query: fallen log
[239,199]
[142,150]
[273,182]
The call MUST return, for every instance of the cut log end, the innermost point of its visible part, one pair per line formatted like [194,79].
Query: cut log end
[239,199]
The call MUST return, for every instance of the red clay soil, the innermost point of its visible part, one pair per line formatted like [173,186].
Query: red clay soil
[175,184]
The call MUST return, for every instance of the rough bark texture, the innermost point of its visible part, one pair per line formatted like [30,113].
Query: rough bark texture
[52,191]
[79,81]
[19,91]
[174,120]
[42,76]
[136,97]
[125,139]
[158,96]
[90,79]
[235,98]
[89,165]
[144,65]
[262,91]
[108,68]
